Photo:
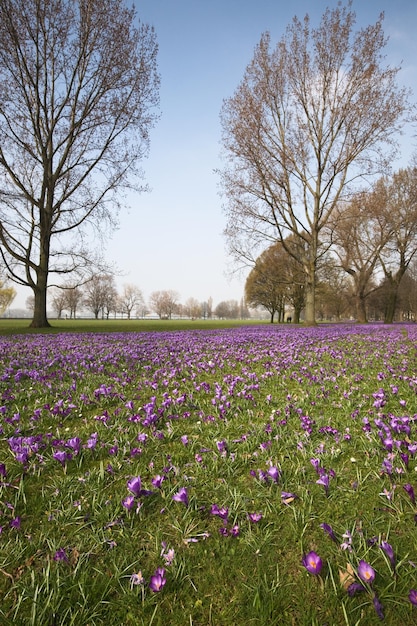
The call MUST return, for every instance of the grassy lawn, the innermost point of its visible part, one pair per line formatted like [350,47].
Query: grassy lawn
[254,474]
[18,326]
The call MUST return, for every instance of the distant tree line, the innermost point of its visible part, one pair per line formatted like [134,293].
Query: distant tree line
[100,298]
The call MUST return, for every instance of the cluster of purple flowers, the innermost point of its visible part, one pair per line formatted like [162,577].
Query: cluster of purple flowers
[365,573]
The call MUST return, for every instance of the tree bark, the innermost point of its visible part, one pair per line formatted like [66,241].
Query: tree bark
[361,316]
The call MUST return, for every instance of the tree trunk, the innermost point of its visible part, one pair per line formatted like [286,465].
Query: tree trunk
[272,316]
[361,317]
[40,319]
[391,303]
[310,296]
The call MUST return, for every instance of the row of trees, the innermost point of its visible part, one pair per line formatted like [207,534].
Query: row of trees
[366,254]
[314,121]
[100,297]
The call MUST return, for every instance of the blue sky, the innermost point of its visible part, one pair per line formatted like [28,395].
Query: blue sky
[172,237]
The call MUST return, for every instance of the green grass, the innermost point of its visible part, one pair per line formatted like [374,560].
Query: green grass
[246,399]
[10,326]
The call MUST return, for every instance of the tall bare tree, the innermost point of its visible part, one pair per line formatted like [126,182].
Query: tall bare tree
[78,91]
[130,298]
[164,303]
[309,117]
[100,295]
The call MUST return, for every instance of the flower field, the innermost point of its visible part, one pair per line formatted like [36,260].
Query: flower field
[257,475]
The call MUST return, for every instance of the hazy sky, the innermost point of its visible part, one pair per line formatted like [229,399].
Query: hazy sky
[172,237]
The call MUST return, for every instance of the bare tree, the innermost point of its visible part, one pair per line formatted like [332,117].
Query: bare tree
[309,117]
[58,301]
[99,294]
[78,87]
[360,231]
[401,215]
[130,298]
[193,308]
[164,303]
[73,298]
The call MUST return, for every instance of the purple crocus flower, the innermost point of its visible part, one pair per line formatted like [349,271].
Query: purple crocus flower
[158,580]
[60,555]
[184,440]
[409,489]
[3,471]
[365,572]
[273,472]
[412,596]
[355,588]
[135,485]
[315,463]
[15,522]
[254,517]
[234,531]
[324,480]
[62,456]
[312,562]
[287,497]
[378,607]
[181,496]
[329,530]
[158,480]
[129,502]
[387,548]
[223,512]
[74,443]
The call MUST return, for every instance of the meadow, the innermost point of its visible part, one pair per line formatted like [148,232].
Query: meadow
[253,475]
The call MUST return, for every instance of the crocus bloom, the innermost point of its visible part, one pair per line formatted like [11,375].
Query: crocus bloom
[137,579]
[157,481]
[378,608]
[181,496]
[329,530]
[169,556]
[355,588]
[387,548]
[60,555]
[312,562]
[158,580]
[287,497]
[223,513]
[324,480]
[15,522]
[412,596]
[365,572]
[135,485]
[409,489]
[273,473]
[62,456]
[254,517]
[128,502]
